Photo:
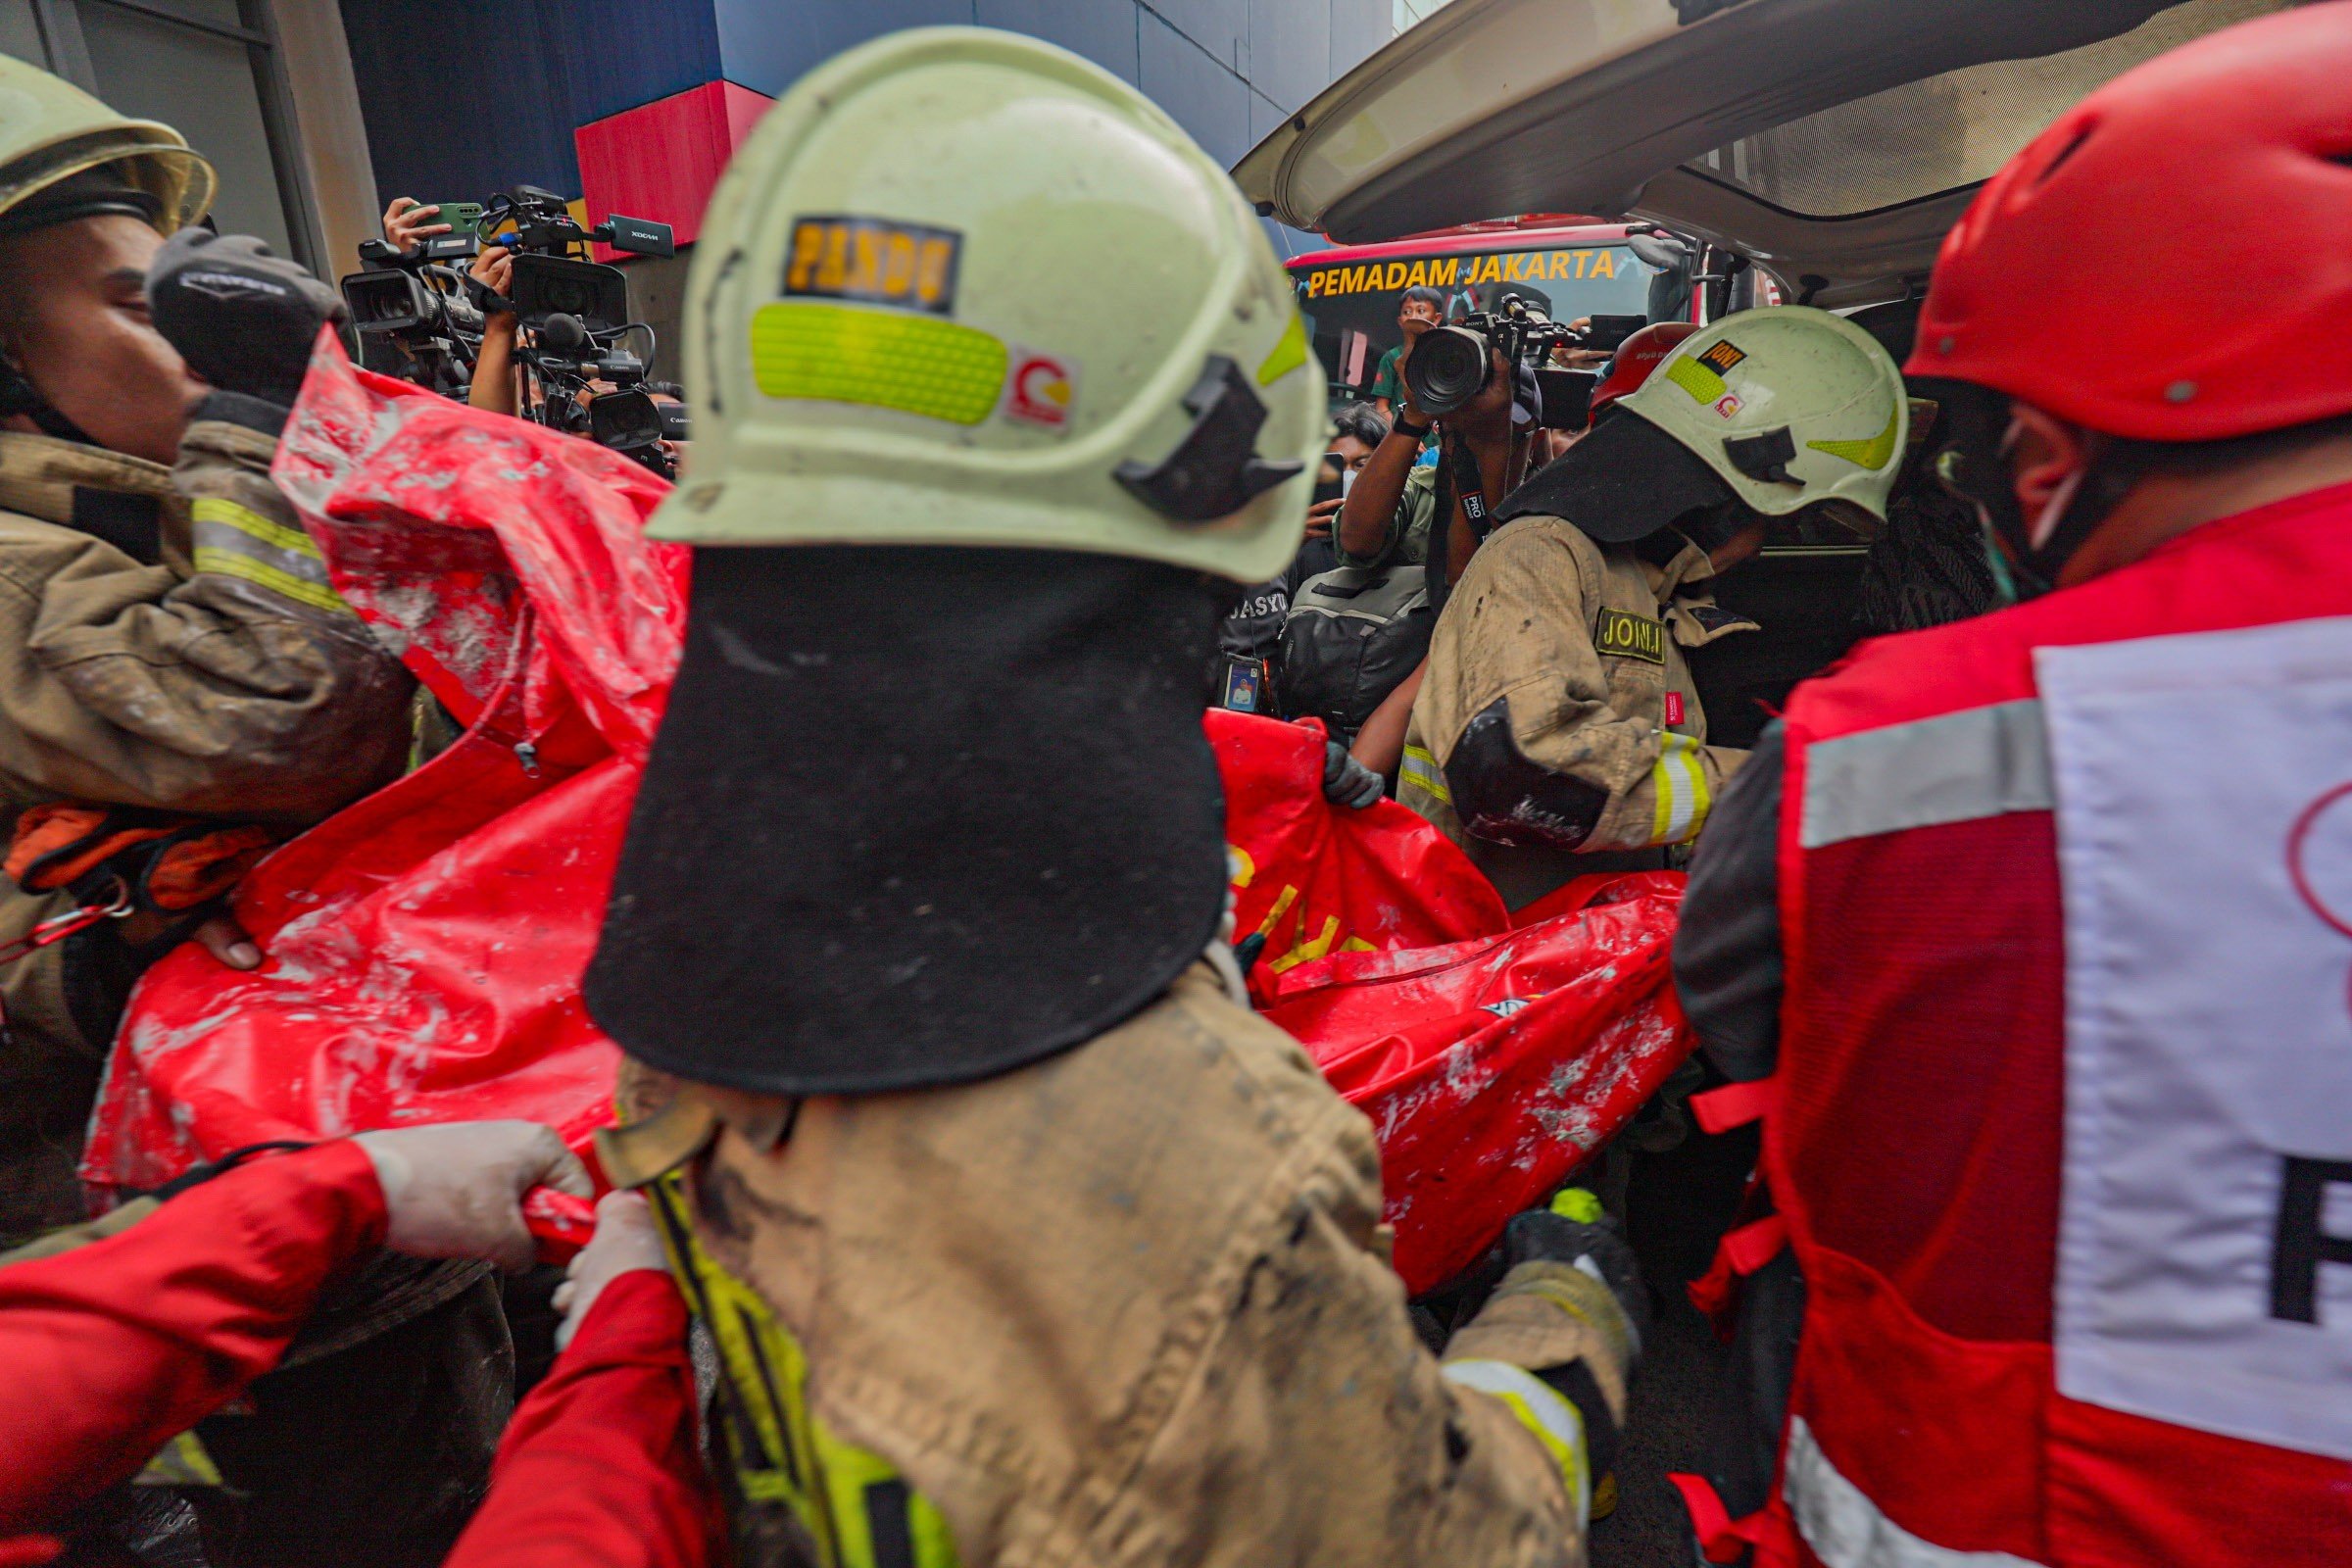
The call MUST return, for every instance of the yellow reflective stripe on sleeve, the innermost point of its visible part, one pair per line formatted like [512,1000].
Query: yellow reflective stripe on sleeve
[1557,1424]
[236,541]
[1679,782]
[208,559]
[246,521]
[1422,771]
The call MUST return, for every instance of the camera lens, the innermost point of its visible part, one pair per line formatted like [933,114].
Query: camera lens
[1447,369]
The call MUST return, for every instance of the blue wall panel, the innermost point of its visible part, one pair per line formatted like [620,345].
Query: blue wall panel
[766,45]
[462,100]
[1206,99]
[1103,30]
[465,99]
[1219,26]
[1290,50]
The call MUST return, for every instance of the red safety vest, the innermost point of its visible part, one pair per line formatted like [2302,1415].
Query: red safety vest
[1917,1135]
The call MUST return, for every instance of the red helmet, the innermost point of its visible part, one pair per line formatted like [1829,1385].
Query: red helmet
[2082,282]
[1635,358]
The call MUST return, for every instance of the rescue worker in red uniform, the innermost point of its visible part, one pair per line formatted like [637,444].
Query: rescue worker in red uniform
[120,1335]
[2025,935]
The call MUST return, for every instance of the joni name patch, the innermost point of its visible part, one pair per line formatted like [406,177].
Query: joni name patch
[1630,636]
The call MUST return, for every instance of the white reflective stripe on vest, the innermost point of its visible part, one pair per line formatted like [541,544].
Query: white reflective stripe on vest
[2204,814]
[1954,768]
[1846,1530]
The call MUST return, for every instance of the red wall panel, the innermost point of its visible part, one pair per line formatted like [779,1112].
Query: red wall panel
[659,160]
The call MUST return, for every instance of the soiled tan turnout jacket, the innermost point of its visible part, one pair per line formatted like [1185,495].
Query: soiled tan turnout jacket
[225,679]
[1124,1308]
[1585,643]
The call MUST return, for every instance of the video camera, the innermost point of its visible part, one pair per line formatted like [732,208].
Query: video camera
[1454,361]
[577,311]
[414,319]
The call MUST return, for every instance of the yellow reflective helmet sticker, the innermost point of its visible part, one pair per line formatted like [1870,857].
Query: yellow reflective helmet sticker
[1694,378]
[1872,453]
[1287,356]
[881,359]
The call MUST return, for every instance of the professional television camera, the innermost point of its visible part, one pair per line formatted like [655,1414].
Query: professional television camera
[413,315]
[580,377]
[1454,361]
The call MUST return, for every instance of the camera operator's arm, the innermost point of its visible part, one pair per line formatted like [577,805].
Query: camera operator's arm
[1375,517]
[494,366]
[1484,427]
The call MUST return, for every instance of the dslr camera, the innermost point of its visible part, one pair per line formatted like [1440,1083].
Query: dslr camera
[1454,363]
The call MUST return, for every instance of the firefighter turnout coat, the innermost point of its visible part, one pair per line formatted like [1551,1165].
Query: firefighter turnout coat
[168,640]
[1125,1307]
[1558,713]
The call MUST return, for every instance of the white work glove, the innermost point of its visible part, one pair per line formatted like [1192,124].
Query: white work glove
[455,1190]
[625,1239]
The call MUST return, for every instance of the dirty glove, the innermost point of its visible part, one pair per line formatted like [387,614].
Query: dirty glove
[625,1239]
[1576,1231]
[156,860]
[456,1191]
[1346,781]
[244,319]
[1558,1339]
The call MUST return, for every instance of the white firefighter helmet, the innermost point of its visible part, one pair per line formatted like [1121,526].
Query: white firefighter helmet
[961,287]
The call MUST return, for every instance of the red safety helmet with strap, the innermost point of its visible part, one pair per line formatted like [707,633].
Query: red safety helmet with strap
[2076,282]
[1635,358]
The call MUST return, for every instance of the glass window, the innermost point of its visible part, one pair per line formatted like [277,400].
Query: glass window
[202,86]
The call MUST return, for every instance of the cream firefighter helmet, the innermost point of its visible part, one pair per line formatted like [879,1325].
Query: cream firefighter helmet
[51,130]
[963,287]
[1789,406]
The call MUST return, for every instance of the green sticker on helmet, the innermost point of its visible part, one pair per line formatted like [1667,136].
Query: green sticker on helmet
[881,359]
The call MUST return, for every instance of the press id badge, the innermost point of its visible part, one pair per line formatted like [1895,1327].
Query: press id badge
[1245,685]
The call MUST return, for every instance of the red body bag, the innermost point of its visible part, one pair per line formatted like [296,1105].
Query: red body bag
[425,945]
[1494,1068]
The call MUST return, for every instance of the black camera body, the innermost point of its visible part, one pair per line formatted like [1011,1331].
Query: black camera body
[1454,363]
[542,285]
[577,311]
[413,319]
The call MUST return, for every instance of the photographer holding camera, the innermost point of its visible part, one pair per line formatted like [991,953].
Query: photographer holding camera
[172,657]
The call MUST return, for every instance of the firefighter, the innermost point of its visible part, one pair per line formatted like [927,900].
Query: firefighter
[168,640]
[1557,729]
[2025,935]
[1019,1236]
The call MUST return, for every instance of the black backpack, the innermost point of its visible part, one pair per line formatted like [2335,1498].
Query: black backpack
[1351,637]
